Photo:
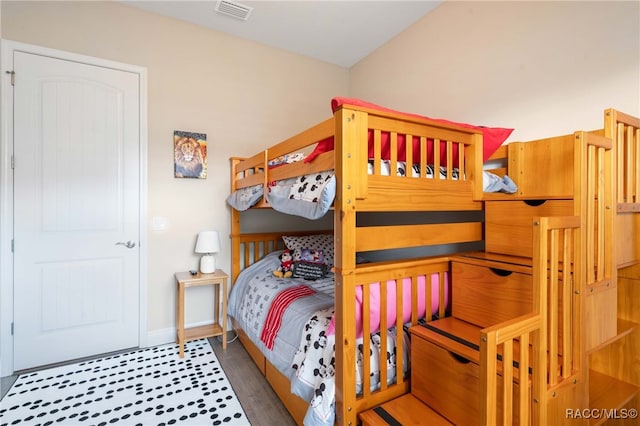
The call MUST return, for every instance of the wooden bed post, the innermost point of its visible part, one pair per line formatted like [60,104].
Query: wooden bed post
[474,166]
[349,124]
[235,225]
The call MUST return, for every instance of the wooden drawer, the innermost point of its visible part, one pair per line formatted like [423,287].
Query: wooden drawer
[448,383]
[508,224]
[488,293]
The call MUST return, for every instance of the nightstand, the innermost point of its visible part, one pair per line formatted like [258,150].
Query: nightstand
[218,279]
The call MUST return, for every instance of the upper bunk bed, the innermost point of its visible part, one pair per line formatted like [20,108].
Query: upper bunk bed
[363,143]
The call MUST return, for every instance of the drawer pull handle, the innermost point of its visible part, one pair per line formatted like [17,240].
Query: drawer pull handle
[501,272]
[534,203]
[460,359]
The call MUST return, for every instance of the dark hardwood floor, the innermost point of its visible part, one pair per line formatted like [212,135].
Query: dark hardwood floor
[5,384]
[260,403]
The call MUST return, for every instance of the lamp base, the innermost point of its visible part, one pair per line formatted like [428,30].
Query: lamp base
[207,264]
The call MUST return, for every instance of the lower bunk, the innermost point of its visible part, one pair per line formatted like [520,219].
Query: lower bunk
[287,326]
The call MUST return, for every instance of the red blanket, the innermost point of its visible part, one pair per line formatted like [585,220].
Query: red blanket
[492,137]
[276,310]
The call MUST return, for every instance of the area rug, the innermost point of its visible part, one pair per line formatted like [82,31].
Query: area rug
[150,386]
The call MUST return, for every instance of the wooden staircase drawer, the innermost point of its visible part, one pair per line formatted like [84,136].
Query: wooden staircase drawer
[446,382]
[508,224]
[485,296]
[450,384]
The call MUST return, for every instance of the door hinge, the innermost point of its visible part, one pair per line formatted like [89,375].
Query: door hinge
[13,77]
[12,329]
[12,246]
[13,162]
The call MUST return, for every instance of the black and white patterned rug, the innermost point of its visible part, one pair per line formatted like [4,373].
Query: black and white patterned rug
[152,386]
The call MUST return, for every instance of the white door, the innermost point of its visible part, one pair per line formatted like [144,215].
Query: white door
[76,210]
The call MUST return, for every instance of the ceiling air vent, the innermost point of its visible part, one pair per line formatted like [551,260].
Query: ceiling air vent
[233,9]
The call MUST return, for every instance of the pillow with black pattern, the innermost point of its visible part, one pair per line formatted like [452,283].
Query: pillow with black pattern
[322,242]
[308,263]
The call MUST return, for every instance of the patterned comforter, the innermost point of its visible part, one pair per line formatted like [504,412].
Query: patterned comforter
[252,296]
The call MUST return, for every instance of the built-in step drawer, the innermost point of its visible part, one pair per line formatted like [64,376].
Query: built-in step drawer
[509,224]
[486,292]
[448,382]
[406,410]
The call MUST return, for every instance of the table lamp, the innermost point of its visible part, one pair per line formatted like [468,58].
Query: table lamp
[208,243]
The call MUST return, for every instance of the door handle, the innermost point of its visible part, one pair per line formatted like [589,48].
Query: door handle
[128,244]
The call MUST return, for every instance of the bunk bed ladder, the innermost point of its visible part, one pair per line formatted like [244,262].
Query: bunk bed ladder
[524,359]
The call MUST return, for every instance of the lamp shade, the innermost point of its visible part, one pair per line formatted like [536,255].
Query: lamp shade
[208,242]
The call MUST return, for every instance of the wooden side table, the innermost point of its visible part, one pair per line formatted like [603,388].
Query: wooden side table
[219,280]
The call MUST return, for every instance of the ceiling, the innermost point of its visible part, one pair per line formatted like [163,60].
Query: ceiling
[337,32]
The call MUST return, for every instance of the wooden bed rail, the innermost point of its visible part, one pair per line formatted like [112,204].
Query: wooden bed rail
[404,280]
[358,135]
[537,346]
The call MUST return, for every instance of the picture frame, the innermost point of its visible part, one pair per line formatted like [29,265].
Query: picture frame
[189,154]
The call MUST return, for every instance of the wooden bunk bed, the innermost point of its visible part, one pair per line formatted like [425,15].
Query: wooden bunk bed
[581,212]
[359,134]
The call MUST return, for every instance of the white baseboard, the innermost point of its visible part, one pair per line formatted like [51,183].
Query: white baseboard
[161,337]
[167,335]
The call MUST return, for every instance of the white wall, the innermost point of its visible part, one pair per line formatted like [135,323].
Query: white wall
[243,95]
[545,68]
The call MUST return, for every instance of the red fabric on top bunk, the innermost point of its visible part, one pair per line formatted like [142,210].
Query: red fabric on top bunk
[492,137]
